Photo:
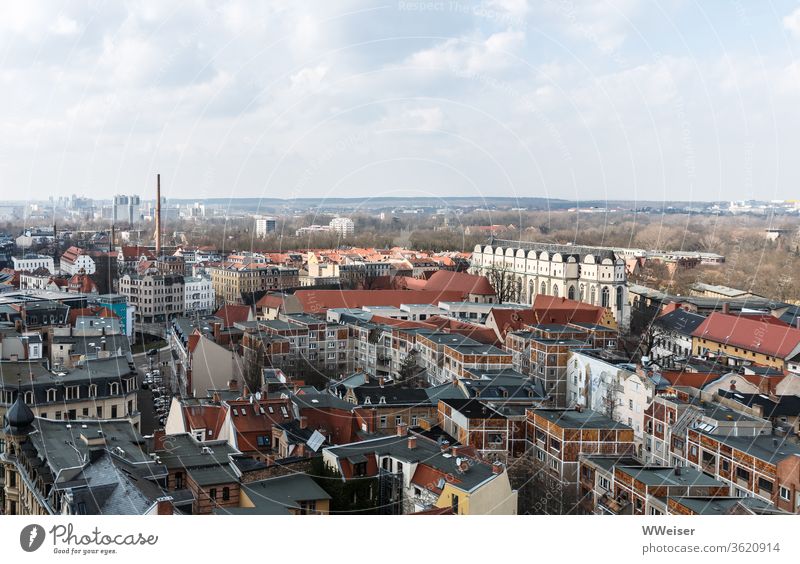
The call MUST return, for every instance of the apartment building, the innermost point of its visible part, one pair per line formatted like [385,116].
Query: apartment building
[461,358]
[738,340]
[558,438]
[763,466]
[32,262]
[198,295]
[622,486]
[416,474]
[157,297]
[103,388]
[245,282]
[675,411]
[545,360]
[66,468]
[75,260]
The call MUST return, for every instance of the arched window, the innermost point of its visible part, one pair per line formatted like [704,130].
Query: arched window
[114,388]
[543,289]
[582,292]
[604,296]
[571,293]
[619,297]
[92,390]
[592,296]
[555,290]
[531,290]
[29,398]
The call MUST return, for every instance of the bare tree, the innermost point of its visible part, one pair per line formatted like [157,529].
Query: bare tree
[507,286]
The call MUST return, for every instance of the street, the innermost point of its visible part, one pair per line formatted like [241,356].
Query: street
[145,397]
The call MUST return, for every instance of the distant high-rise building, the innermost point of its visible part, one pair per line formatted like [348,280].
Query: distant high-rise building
[126,209]
[342,225]
[265,225]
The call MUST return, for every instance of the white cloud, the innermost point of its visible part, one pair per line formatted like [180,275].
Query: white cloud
[792,23]
[465,55]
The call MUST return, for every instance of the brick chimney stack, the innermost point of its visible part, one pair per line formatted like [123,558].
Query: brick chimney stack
[164,506]
[401,429]
[412,442]
[303,422]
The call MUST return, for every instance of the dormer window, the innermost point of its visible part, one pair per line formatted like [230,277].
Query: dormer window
[382,400]
[367,401]
[51,394]
[114,388]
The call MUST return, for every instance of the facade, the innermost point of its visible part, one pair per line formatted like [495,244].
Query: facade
[99,389]
[237,283]
[76,260]
[585,274]
[29,263]
[417,474]
[126,209]
[156,297]
[342,226]
[265,225]
[198,295]
[559,438]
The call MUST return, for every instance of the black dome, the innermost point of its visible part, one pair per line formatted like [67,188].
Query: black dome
[18,417]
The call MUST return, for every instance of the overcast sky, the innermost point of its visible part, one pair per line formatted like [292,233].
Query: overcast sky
[629,99]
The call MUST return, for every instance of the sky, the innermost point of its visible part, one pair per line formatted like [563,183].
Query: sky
[580,100]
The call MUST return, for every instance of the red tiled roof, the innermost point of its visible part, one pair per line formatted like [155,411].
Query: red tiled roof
[272,301]
[552,309]
[317,301]
[194,339]
[507,320]
[230,314]
[427,477]
[130,253]
[460,281]
[209,417]
[750,334]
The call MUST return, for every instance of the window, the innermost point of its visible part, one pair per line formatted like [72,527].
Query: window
[212,493]
[113,412]
[51,395]
[742,474]
[726,466]
[555,444]
[764,484]
[454,503]
[785,494]
[383,421]
[604,483]
[226,494]
[92,390]
[114,388]
[554,464]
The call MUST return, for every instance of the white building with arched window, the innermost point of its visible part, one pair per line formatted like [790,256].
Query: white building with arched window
[586,274]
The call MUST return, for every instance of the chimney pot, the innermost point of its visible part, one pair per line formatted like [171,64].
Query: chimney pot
[412,442]
[726,308]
